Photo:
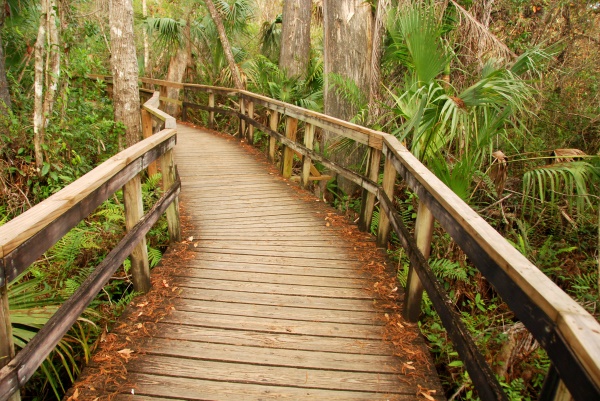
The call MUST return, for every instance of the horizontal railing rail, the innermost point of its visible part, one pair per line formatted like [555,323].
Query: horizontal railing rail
[568,333]
[24,239]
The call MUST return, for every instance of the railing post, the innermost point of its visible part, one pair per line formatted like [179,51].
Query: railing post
[7,348]
[169,175]
[389,179]
[250,126]
[134,210]
[147,132]
[242,121]
[211,114]
[414,288]
[554,389]
[309,137]
[291,128]
[273,124]
[368,198]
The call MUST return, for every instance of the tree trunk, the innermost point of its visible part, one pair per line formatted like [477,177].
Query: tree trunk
[295,37]
[53,63]
[126,102]
[383,6]
[125,70]
[216,17]
[177,67]
[146,44]
[348,40]
[38,85]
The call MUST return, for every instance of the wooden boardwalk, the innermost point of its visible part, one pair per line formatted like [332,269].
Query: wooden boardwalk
[274,304]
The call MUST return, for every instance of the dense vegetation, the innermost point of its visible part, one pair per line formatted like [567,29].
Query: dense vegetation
[499,98]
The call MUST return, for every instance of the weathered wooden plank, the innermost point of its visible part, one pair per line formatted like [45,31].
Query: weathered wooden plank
[279,289]
[270,340]
[298,301]
[276,376]
[280,261]
[202,390]
[274,357]
[275,278]
[275,269]
[279,312]
[275,325]
[316,254]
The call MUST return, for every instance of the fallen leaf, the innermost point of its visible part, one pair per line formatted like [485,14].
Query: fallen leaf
[190,239]
[165,284]
[142,304]
[125,353]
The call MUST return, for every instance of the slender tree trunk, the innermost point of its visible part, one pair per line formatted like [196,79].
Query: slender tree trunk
[216,17]
[383,6]
[295,37]
[146,45]
[38,85]
[53,63]
[348,41]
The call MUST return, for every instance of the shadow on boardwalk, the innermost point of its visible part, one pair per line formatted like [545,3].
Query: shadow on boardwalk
[271,296]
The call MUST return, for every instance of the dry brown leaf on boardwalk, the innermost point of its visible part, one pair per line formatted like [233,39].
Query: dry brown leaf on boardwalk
[125,353]
[426,393]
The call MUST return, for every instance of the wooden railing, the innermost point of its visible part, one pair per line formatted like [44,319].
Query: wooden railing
[569,334]
[24,239]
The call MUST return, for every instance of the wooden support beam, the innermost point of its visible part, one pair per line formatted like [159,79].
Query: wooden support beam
[169,175]
[211,114]
[291,129]
[309,137]
[242,127]
[147,132]
[273,124]
[389,179]
[368,198]
[414,287]
[134,210]
[250,126]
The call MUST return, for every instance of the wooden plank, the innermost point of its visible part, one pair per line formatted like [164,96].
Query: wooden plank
[279,289]
[276,376]
[274,269]
[274,357]
[192,390]
[281,261]
[298,301]
[309,138]
[7,347]
[335,282]
[211,114]
[270,340]
[343,256]
[273,124]
[279,312]
[368,198]
[194,317]
[169,177]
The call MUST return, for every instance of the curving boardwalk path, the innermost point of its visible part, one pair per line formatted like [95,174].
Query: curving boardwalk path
[274,304]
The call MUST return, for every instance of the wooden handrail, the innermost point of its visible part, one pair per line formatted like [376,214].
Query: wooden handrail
[25,238]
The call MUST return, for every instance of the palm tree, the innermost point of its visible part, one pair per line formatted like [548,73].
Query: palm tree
[451,129]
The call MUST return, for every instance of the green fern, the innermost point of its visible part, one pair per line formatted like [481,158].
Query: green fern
[445,268]
[154,256]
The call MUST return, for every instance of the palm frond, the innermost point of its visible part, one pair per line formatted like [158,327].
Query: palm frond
[572,182]
[169,32]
